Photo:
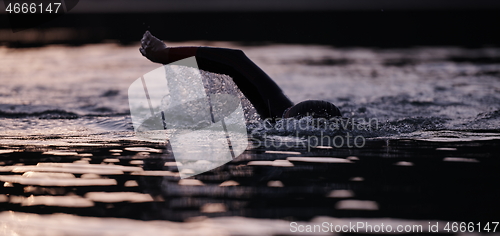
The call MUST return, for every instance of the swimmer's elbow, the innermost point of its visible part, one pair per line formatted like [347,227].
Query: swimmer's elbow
[238,52]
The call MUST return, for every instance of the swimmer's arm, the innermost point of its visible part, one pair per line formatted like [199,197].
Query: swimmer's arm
[255,84]
[265,95]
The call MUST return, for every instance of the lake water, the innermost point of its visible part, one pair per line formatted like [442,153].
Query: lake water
[68,145]
[80,93]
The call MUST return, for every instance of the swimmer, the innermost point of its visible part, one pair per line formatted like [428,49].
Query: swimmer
[265,95]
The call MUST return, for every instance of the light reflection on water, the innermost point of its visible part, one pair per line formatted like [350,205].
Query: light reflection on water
[68,143]
[82,91]
[64,224]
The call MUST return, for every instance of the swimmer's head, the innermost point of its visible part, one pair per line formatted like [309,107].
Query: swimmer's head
[313,108]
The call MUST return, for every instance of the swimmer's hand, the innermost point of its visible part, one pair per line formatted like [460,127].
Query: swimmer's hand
[153,48]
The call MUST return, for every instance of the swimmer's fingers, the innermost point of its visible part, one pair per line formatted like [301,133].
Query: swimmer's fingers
[145,43]
[143,52]
[149,41]
[143,47]
[145,39]
[151,47]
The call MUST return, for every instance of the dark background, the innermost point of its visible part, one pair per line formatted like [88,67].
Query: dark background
[341,23]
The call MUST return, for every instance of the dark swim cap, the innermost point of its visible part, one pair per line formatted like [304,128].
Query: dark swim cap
[314,108]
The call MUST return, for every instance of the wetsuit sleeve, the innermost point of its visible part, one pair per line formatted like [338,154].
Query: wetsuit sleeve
[265,95]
